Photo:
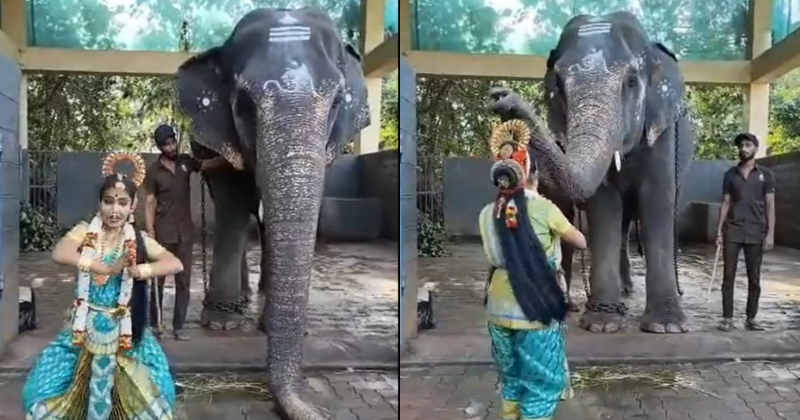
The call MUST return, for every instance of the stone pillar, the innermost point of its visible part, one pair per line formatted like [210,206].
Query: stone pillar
[372,34]
[756,96]
[408,202]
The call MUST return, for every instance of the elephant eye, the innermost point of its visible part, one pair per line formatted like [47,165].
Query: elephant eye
[633,81]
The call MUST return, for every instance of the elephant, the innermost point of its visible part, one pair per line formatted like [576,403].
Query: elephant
[615,102]
[278,100]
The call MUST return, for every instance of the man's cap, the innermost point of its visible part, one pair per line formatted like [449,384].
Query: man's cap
[164,132]
[745,137]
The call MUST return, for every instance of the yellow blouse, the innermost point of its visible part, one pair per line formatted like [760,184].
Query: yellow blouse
[549,224]
[154,249]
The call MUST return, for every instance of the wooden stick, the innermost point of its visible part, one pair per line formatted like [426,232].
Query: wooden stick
[713,271]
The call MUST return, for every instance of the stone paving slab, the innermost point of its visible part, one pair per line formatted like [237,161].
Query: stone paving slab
[347,395]
[352,317]
[735,391]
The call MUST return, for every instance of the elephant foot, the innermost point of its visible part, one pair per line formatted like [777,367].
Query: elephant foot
[294,408]
[221,320]
[602,321]
[664,321]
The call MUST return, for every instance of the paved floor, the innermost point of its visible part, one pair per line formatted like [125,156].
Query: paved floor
[349,395]
[459,279]
[736,391]
[353,305]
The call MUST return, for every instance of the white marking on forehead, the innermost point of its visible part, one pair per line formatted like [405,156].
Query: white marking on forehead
[290,34]
[593,61]
[206,101]
[295,79]
[287,19]
[598,28]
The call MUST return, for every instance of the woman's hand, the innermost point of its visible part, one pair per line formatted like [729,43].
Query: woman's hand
[141,271]
[106,270]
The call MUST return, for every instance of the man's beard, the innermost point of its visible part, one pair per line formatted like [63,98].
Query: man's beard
[744,156]
[172,155]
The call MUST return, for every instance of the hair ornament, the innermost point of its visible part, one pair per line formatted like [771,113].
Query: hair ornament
[113,159]
[509,146]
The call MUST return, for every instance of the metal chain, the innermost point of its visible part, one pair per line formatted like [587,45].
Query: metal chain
[204,236]
[683,110]
[584,273]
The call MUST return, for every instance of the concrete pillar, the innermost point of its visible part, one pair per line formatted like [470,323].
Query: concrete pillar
[756,96]
[372,34]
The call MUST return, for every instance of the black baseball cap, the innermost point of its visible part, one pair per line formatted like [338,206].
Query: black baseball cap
[745,137]
[164,132]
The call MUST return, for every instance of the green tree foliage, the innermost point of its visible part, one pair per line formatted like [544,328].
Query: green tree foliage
[104,113]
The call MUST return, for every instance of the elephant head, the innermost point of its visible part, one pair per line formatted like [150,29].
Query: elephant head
[279,98]
[606,85]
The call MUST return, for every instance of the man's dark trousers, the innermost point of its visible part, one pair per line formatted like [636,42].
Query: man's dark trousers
[753,253]
[183,282]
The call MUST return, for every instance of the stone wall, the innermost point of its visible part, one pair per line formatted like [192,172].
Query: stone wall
[786,169]
[10,197]
[361,194]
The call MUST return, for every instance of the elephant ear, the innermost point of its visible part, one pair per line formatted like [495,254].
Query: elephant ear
[353,113]
[203,95]
[664,92]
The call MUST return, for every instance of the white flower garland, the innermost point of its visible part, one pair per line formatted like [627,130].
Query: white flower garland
[94,236]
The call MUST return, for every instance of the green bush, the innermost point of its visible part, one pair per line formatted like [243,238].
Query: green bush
[431,238]
[37,231]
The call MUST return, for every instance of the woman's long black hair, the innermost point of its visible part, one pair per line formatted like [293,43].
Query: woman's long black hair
[532,278]
[139,293]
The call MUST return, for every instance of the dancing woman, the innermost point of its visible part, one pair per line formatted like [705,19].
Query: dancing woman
[526,303]
[106,364]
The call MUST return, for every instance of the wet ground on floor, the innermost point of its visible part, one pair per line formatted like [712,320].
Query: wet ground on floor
[458,282]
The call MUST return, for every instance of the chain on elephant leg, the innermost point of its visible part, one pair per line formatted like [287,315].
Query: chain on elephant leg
[222,316]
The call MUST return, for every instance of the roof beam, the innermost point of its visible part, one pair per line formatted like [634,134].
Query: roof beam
[782,58]
[533,67]
[8,47]
[122,63]
[383,59]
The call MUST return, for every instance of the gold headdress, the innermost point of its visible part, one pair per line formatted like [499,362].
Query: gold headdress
[509,146]
[112,160]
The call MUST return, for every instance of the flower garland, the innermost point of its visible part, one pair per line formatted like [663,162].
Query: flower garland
[89,253]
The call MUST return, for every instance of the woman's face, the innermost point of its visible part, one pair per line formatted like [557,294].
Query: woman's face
[115,206]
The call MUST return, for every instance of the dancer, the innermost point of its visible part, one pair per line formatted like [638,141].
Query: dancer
[106,364]
[526,303]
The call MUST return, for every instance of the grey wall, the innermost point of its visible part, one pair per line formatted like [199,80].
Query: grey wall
[408,202]
[786,169]
[467,189]
[361,194]
[10,197]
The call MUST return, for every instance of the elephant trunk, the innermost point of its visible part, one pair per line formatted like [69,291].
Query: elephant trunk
[592,145]
[290,170]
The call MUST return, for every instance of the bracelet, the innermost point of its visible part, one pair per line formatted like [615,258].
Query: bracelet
[85,263]
[145,271]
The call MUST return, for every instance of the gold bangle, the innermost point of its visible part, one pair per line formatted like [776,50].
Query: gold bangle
[146,271]
[85,263]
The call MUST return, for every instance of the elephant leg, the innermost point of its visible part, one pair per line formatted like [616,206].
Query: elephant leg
[663,312]
[245,288]
[222,308]
[263,281]
[603,310]
[567,253]
[625,259]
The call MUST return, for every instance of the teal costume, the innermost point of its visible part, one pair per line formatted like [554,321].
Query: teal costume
[70,382]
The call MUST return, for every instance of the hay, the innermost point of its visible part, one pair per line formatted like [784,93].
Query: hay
[207,385]
[607,377]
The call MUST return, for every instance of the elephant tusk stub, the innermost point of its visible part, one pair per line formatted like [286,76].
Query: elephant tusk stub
[617,161]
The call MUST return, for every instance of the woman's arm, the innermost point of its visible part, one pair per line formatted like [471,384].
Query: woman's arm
[67,252]
[162,262]
[564,229]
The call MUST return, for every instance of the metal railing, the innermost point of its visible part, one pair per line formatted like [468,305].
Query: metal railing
[40,181]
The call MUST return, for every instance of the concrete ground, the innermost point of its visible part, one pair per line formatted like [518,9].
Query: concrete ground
[352,315]
[734,391]
[458,281]
[347,395]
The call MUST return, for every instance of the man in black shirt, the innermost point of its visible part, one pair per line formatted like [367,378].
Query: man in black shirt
[746,222]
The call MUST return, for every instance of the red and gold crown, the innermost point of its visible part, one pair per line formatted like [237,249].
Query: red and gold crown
[113,159]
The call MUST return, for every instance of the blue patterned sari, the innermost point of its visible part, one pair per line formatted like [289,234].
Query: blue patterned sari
[530,357]
[96,382]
